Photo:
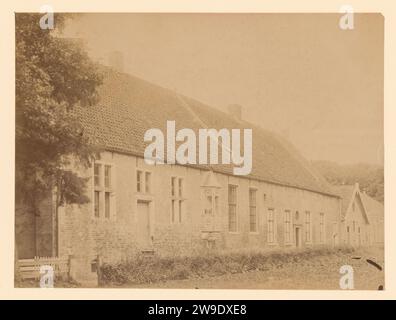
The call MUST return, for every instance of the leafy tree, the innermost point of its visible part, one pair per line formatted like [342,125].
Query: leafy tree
[54,76]
[369,177]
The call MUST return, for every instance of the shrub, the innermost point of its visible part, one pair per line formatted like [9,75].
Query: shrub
[140,269]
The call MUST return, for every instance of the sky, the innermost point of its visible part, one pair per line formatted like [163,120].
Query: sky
[299,75]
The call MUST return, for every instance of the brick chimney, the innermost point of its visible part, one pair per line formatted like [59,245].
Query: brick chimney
[116,61]
[235,110]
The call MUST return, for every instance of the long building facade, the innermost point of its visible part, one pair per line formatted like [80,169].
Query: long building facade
[173,209]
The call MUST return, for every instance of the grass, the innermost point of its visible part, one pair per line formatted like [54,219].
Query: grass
[141,269]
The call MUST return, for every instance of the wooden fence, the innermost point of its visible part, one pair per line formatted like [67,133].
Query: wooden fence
[30,268]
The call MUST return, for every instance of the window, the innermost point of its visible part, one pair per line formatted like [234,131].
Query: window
[97,169]
[307,226]
[107,176]
[107,204]
[173,211]
[96,205]
[147,182]
[173,183]
[180,187]
[180,210]
[288,237]
[353,206]
[321,227]
[208,204]
[143,182]
[139,181]
[177,200]
[103,192]
[252,210]
[232,208]
[271,226]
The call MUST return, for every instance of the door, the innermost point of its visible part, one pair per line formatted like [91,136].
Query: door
[143,224]
[298,237]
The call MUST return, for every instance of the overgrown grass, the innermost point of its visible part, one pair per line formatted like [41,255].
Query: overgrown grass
[141,269]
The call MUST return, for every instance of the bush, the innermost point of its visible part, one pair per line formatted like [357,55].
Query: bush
[140,269]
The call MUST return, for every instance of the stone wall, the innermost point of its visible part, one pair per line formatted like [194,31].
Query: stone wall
[117,238]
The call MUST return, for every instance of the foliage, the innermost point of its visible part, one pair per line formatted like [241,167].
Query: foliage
[141,269]
[369,177]
[54,76]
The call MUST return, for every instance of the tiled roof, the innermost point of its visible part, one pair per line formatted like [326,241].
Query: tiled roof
[129,106]
[345,192]
[374,208]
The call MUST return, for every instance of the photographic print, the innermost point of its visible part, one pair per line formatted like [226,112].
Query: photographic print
[199,150]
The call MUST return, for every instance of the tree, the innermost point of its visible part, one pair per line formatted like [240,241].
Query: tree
[370,177]
[54,76]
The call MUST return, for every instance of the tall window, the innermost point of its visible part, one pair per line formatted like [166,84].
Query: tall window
[96,205]
[177,200]
[173,186]
[139,182]
[288,236]
[143,181]
[321,227]
[97,170]
[271,226]
[252,210]
[232,208]
[107,176]
[103,190]
[147,182]
[107,204]
[307,226]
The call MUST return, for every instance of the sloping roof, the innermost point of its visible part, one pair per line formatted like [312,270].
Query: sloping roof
[347,194]
[129,106]
[374,208]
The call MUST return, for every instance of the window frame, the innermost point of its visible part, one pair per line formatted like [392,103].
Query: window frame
[288,229]
[177,194]
[106,205]
[253,206]
[272,232]
[232,205]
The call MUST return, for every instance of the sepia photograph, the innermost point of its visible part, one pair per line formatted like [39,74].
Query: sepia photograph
[199,150]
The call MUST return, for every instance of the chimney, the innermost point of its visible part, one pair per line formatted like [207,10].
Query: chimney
[235,110]
[116,61]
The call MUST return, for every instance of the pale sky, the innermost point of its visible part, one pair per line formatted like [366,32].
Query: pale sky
[297,74]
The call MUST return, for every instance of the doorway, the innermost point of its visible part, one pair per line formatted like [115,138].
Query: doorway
[297,240]
[143,224]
